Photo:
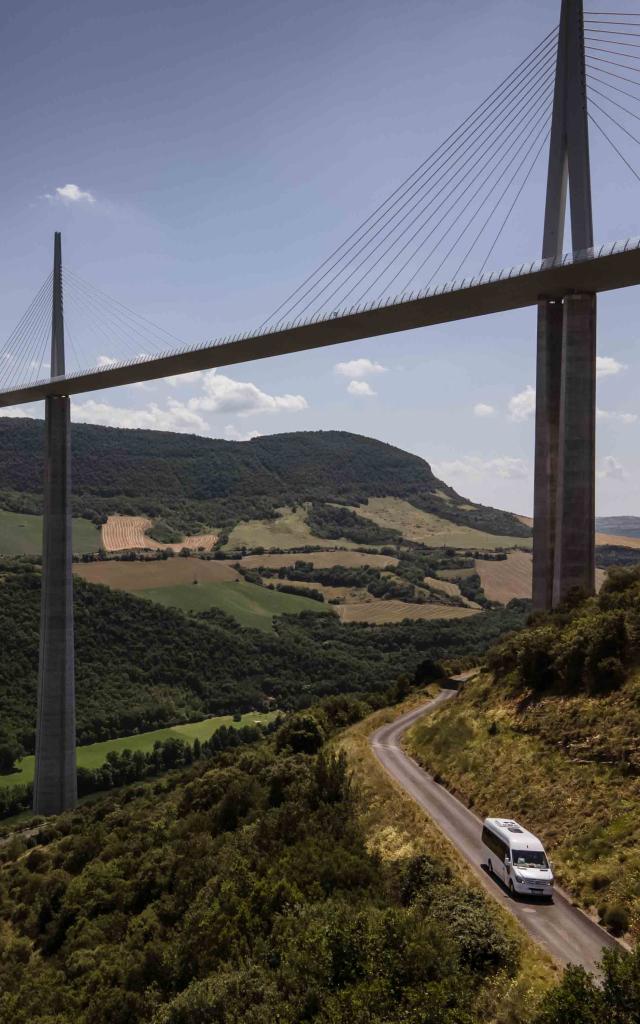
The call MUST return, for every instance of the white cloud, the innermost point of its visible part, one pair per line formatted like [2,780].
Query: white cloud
[620,417]
[356,369]
[361,387]
[612,469]
[176,417]
[522,405]
[233,434]
[17,412]
[606,366]
[483,410]
[72,194]
[472,467]
[222,394]
[184,378]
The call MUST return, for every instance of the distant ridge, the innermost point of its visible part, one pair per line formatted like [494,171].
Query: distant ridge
[619,526]
[207,483]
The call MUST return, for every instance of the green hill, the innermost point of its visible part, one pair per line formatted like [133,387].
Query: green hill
[195,482]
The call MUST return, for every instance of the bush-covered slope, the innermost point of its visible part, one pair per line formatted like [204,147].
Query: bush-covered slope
[194,481]
[242,892]
[140,665]
[551,735]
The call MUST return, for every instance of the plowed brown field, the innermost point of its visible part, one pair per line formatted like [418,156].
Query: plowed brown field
[152,575]
[125,533]
[502,581]
[320,560]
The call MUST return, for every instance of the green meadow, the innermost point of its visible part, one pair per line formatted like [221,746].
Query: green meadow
[94,754]
[22,535]
[249,604]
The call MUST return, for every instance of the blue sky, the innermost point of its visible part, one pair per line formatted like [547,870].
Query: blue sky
[220,151]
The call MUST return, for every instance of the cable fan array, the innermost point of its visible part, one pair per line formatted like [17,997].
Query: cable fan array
[611,37]
[449,207]
[99,332]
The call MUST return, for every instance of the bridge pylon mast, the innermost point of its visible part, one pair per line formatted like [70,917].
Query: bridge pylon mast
[55,784]
[564,498]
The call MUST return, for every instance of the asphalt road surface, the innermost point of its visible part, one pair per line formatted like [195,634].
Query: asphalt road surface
[563,930]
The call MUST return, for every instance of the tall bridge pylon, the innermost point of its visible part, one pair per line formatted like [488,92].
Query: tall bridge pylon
[55,783]
[564,490]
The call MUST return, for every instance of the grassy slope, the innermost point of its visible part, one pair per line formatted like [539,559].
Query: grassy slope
[397,828]
[505,759]
[248,604]
[94,754]
[288,531]
[22,535]
[433,530]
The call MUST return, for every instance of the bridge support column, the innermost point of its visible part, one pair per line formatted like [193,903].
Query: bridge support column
[575,512]
[55,784]
[548,382]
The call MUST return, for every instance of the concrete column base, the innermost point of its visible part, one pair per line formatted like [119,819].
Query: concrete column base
[55,783]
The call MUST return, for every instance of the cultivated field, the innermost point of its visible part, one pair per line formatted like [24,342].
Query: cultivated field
[429,529]
[22,535]
[134,576]
[502,581]
[450,589]
[125,533]
[249,604]
[377,612]
[321,560]
[94,755]
[289,531]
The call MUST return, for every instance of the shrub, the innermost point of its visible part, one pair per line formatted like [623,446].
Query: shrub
[616,920]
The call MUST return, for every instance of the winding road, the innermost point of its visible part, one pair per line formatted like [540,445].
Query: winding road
[563,930]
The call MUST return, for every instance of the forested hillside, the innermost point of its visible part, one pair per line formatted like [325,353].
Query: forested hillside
[193,482]
[244,891]
[141,665]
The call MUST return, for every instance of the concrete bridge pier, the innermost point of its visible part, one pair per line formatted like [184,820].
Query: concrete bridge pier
[548,387]
[565,470]
[55,783]
[575,510]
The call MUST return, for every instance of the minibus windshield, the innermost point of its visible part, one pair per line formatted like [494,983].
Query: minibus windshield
[530,859]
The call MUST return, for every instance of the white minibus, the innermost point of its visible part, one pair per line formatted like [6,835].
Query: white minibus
[517,858]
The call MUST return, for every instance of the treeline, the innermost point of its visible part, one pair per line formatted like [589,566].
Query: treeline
[608,555]
[335,522]
[196,483]
[583,646]
[141,666]
[364,577]
[122,768]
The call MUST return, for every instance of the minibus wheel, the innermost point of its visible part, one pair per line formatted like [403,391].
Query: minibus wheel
[512,891]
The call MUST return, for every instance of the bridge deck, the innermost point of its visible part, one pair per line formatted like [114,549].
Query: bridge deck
[608,268]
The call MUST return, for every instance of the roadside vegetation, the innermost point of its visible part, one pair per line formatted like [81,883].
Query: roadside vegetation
[550,734]
[243,889]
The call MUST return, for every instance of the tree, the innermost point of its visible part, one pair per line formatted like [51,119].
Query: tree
[9,753]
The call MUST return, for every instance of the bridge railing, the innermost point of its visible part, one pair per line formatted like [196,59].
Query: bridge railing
[485,278]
